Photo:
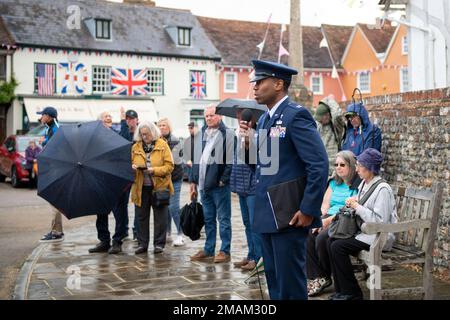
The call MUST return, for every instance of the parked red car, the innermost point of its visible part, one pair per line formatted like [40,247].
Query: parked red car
[12,159]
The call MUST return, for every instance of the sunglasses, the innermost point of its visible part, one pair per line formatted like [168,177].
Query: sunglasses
[342,165]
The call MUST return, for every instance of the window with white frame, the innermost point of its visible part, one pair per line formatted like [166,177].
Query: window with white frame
[101,79]
[155,79]
[364,81]
[317,84]
[405,45]
[404,80]
[230,82]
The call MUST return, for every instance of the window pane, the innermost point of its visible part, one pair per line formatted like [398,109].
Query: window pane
[101,79]
[105,29]
[98,28]
[364,81]
[2,67]
[405,80]
[155,80]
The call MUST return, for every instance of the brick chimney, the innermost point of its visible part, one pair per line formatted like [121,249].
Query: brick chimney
[149,3]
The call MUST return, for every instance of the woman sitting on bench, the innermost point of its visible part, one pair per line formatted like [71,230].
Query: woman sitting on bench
[341,186]
[379,207]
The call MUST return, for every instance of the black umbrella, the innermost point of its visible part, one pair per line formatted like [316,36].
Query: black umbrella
[84,169]
[228,107]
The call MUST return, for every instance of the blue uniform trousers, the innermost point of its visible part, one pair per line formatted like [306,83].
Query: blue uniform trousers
[284,255]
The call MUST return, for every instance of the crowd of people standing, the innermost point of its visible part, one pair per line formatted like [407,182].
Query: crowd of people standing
[338,154]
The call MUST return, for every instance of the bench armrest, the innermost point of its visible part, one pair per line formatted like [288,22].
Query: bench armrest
[374,228]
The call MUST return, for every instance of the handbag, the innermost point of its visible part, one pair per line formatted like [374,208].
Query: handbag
[161,198]
[346,223]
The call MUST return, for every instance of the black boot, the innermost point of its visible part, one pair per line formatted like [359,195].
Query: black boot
[141,250]
[116,248]
[100,247]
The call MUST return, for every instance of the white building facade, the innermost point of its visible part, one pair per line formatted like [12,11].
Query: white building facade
[428,22]
[169,70]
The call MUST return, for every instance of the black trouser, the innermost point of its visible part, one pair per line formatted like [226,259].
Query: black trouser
[159,220]
[32,177]
[120,215]
[318,261]
[343,275]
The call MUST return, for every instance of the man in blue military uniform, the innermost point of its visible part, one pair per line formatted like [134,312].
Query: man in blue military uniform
[287,134]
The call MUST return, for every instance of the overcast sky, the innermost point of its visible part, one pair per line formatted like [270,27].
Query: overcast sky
[314,12]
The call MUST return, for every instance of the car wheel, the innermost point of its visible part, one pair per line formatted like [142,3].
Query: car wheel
[2,178]
[14,180]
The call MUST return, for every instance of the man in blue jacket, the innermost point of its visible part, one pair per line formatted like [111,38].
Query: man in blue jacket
[49,118]
[361,133]
[288,137]
[211,176]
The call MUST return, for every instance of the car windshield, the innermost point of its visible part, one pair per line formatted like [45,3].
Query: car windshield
[37,131]
[23,143]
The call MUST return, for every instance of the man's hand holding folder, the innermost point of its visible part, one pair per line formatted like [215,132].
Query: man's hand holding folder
[285,199]
[301,220]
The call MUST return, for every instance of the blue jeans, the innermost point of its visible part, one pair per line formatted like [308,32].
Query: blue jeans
[247,204]
[217,206]
[174,208]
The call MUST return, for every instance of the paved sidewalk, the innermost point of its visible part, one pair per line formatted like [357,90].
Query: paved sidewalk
[52,270]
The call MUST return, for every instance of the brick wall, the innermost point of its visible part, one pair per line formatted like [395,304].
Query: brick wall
[416,130]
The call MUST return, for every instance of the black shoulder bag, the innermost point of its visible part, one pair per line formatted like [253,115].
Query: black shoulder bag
[346,223]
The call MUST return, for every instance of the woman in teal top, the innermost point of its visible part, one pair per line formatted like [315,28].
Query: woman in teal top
[342,186]
[339,193]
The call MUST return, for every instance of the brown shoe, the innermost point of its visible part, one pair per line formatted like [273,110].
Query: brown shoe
[222,257]
[241,263]
[200,256]
[249,266]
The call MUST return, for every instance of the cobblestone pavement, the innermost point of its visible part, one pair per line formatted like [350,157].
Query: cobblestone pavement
[68,271]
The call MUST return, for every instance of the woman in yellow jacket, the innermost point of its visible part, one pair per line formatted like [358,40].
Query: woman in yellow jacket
[152,161]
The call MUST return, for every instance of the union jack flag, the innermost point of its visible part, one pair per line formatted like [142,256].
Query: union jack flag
[45,79]
[129,82]
[198,84]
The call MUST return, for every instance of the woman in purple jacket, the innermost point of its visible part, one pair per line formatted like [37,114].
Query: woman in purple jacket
[30,156]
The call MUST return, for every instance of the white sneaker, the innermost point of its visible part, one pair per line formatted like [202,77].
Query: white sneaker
[179,242]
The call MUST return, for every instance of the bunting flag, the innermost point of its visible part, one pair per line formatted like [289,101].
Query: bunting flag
[334,73]
[261,45]
[282,50]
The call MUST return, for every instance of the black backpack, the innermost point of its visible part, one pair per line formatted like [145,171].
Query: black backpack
[192,220]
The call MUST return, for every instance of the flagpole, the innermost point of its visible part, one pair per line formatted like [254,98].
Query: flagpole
[281,43]
[260,46]
[343,97]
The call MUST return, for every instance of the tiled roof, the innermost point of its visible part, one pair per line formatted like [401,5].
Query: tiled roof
[237,40]
[5,37]
[337,38]
[379,38]
[135,28]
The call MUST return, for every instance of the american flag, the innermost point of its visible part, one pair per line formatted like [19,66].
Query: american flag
[198,84]
[46,79]
[129,82]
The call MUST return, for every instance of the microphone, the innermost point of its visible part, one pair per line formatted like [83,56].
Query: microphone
[246,116]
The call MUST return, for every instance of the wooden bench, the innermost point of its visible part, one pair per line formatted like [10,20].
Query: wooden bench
[415,232]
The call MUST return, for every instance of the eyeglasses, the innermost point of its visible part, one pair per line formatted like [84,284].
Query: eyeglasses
[342,165]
